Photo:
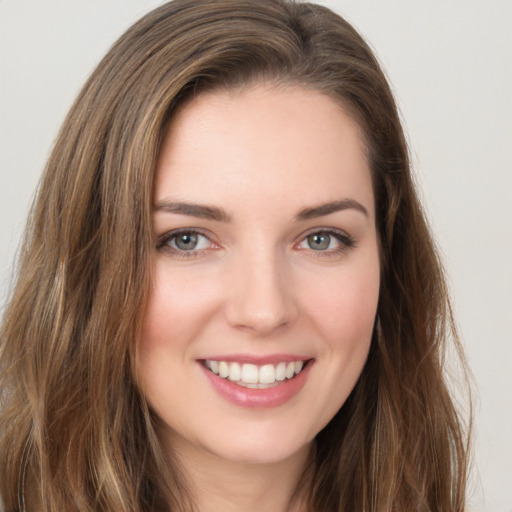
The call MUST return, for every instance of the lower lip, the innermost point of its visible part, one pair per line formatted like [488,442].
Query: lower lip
[258,398]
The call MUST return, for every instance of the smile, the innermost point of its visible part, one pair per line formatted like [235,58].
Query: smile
[254,376]
[265,385]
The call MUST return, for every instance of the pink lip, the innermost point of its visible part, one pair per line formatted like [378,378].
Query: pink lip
[257,398]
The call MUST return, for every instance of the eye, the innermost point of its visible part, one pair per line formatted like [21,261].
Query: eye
[185,242]
[320,241]
[328,241]
[188,241]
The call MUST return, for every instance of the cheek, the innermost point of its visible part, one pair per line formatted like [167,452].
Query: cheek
[344,306]
[180,303]
[178,307]
[340,312]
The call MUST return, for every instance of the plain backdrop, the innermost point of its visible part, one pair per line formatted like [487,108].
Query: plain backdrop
[450,65]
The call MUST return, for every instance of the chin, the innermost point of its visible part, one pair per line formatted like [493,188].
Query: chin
[246,446]
[262,453]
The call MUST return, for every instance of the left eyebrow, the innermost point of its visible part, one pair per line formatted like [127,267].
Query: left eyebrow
[193,210]
[328,208]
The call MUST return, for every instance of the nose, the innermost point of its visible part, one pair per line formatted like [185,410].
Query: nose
[261,298]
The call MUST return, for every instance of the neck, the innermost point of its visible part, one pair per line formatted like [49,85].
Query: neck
[231,486]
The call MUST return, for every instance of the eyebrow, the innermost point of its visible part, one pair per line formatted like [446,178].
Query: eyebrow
[194,210]
[220,215]
[328,208]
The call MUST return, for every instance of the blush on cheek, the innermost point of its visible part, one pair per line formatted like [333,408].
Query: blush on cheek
[175,311]
[349,313]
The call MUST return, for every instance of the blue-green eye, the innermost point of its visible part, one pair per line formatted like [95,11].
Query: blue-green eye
[326,241]
[184,241]
[319,241]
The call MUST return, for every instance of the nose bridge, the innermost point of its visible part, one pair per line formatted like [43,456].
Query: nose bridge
[261,298]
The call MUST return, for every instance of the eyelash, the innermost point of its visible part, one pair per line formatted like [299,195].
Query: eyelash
[346,241]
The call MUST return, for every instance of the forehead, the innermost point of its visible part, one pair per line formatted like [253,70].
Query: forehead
[263,144]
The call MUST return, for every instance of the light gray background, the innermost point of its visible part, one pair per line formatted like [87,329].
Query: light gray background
[450,63]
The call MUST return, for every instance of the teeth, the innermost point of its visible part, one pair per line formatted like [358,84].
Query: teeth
[223,369]
[257,386]
[235,372]
[281,371]
[249,373]
[267,374]
[214,367]
[253,376]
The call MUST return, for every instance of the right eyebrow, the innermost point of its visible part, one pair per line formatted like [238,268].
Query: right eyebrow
[328,208]
[193,210]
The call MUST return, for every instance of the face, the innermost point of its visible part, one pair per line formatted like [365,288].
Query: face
[266,273]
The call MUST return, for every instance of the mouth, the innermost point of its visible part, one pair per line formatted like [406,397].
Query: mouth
[254,376]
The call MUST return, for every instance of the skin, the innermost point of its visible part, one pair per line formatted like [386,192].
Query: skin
[254,285]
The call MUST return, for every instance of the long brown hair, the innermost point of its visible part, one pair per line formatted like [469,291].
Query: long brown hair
[75,432]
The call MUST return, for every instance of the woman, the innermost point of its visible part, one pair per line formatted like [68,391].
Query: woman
[228,297]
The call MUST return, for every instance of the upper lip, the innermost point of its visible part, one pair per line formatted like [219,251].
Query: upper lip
[257,359]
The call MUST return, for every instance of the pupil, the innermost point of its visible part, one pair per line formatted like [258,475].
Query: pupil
[186,242]
[318,241]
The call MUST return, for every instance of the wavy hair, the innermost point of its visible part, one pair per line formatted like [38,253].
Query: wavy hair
[76,433]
